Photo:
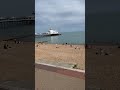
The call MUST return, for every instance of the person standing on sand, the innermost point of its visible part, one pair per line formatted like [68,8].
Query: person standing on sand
[5,46]
[70,45]
[37,45]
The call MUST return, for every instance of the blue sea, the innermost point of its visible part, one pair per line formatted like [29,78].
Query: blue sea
[66,37]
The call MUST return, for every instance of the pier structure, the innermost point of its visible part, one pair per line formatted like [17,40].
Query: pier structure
[7,22]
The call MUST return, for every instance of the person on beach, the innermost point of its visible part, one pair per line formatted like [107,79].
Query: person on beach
[88,46]
[102,52]
[5,46]
[70,45]
[15,41]
[37,45]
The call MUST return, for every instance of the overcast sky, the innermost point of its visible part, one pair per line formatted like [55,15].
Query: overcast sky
[102,6]
[63,15]
[17,7]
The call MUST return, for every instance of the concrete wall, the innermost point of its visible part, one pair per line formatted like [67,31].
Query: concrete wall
[55,78]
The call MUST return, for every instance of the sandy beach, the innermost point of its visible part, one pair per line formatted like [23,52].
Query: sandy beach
[18,59]
[102,64]
[74,54]
[17,62]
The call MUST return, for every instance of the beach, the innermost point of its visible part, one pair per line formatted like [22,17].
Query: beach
[16,61]
[72,54]
[102,64]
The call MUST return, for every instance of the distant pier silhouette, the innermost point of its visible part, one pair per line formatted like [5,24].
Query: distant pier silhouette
[7,22]
[16,27]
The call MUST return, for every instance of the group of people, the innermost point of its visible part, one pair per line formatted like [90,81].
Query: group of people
[71,46]
[6,44]
[99,51]
[102,52]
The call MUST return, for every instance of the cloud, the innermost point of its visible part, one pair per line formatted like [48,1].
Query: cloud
[60,13]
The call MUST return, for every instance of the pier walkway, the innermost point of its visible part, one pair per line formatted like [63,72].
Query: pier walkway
[6,22]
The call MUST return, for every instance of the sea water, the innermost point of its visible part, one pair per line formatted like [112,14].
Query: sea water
[18,31]
[66,37]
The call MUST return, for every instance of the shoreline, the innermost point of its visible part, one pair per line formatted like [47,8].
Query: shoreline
[46,42]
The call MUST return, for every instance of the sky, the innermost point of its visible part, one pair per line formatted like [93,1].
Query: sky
[61,15]
[102,6]
[16,7]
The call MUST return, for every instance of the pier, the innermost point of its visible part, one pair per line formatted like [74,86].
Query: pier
[7,22]
[16,27]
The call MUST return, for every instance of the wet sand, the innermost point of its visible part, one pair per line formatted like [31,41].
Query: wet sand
[74,54]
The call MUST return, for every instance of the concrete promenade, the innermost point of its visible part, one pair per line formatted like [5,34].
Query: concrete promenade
[48,77]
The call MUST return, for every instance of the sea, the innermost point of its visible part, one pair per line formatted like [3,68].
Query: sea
[75,38]
[18,31]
